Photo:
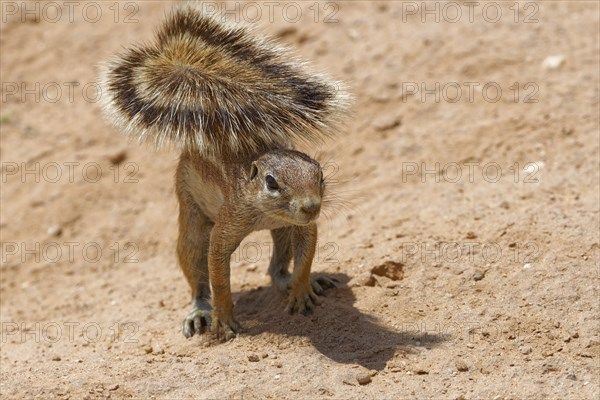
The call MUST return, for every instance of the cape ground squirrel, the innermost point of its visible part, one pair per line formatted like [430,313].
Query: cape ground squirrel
[234,102]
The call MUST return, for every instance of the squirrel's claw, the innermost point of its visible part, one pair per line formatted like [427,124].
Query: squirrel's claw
[198,321]
[226,330]
[302,301]
[322,283]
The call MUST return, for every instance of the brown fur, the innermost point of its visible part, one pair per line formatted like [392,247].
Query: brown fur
[218,89]
[243,203]
[235,104]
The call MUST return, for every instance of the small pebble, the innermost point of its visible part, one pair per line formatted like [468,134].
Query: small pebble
[527,266]
[253,357]
[113,387]
[461,366]
[56,358]
[525,349]
[478,275]
[392,284]
[553,62]
[571,377]
[55,230]
[547,368]
[118,158]
[363,378]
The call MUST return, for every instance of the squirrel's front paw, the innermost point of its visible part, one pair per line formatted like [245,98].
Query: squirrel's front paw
[198,321]
[301,300]
[225,328]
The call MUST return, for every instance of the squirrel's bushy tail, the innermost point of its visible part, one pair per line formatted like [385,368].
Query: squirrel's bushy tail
[217,89]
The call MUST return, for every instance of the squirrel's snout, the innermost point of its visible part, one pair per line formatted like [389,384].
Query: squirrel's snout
[311,207]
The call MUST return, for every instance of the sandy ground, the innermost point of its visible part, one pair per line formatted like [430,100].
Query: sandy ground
[468,245]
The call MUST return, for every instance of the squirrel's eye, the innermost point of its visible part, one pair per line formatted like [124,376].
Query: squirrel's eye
[271,183]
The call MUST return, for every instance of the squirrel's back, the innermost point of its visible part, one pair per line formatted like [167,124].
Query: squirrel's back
[218,89]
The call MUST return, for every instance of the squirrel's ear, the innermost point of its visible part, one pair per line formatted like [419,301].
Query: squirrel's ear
[253,170]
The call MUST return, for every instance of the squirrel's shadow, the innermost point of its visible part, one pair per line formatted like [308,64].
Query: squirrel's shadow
[336,328]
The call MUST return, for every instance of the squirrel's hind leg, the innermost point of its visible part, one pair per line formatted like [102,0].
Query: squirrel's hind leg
[192,252]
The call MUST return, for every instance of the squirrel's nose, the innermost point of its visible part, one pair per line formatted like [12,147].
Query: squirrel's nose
[311,207]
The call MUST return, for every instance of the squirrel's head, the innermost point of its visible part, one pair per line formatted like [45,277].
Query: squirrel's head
[288,186]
